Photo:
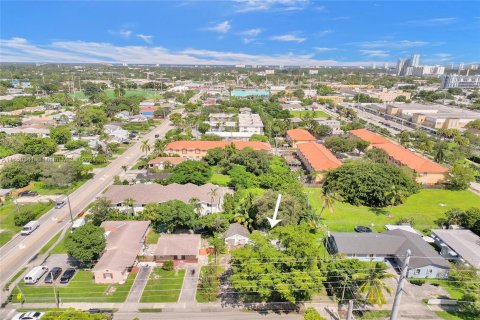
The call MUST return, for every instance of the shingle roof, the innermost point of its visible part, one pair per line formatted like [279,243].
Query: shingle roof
[319,157]
[178,245]
[156,193]
[393,242]
[464,242]
[300,135]
[403,156]
[124,242]
[237,229]
[207,145]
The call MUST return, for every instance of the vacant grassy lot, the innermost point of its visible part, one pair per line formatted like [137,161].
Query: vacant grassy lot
[316,114]
[198,295]
[425,207]
[40,187]
[163,286]
[128,93]
[220,179]
[81,288]
[452,315]
[7,213]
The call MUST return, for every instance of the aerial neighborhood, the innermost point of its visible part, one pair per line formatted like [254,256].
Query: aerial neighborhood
[348,193]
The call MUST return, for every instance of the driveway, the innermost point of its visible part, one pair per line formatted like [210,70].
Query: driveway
[139,285]
[189,287]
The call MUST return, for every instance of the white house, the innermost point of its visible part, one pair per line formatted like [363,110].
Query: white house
[236,235]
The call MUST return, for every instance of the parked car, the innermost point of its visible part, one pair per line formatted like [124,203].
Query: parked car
[53,275]
[32,315]
[35,274]
[28,193]
[157,136]
[29,227]
[67,275]
[363,229]
[60,204]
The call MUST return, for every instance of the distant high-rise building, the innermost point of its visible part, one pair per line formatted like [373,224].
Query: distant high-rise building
[401,66]
[461,66]
[459,81]
[415,60]
[474,67]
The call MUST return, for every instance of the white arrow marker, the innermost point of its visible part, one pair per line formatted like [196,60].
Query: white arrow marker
[273,221]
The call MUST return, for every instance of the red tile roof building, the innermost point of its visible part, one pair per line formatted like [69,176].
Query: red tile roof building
[428,171]
[317,159]
[198,149]
[298,136]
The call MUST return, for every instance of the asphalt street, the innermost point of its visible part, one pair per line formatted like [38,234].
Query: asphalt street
[21,249]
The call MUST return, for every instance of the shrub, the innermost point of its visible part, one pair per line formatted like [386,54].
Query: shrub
[168,265]
[312,314]
[417,282]
[23,217]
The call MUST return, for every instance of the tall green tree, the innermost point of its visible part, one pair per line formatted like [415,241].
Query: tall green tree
[196,172]
[371,284]
[461,175]
[171,215]
[86,243]
[145,147]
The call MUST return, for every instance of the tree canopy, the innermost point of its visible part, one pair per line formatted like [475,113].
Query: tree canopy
[171,215]
[86,243]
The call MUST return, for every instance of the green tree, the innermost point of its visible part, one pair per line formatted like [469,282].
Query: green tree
[203,127]
[39,146]
[340,144]
[400,99]
[461,175]
[209,282]
[371,284]
[130,202]
[312,314]
[240,178]
[212,223]
[86,243]
[290,210]
[145,147]
[17,175]
[100,210]
[196,172]
[364,183]
[60,134]
[171,215]
[377,155]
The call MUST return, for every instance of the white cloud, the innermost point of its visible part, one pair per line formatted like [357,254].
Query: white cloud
[251,32]
[271,5]
[375,53]
[288,38]
[433,22]
[222,27]
[392,44]
[323,49]
[146,38]
[21,50]
[324,33]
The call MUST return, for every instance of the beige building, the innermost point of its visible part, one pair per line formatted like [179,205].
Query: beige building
[184,248]
[124,240]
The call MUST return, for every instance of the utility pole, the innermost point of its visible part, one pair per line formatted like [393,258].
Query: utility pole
[401,282]
[54,290]
[70,208]
[350,310]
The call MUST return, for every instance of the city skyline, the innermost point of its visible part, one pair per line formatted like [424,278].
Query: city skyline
[274,32]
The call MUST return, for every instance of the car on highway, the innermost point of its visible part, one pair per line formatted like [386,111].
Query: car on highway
[29,227]
[67,275]
[28,193]
[363,229]
[60,204]
[53,275]
[32,315]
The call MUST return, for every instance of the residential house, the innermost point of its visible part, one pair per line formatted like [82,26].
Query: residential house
[111,127]
[162,163]
[148,111]
[427,171]
[196,150]
[317,159]
[4,193]
[180,248]
[334,125]
[392,245]
[460,245]
[250,122]
[124,240]
[298,136]
[37,130]
[236,235]
[209,196]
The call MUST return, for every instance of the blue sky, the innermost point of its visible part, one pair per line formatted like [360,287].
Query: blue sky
[285,32]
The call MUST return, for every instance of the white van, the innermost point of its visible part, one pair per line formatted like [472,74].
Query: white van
[77,224]
[35,274]
[29,228]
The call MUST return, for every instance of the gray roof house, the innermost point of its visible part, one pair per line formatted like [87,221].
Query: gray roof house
[178,247]
[144,194]
[236,235]
[124,240]
[458,244]
[425,262]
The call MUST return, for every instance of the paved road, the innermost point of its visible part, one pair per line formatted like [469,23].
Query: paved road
[20,249]
[224,315]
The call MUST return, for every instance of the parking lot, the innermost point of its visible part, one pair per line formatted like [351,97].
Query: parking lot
[62,261]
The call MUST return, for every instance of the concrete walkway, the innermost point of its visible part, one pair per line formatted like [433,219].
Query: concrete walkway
[189,287]
[139,285]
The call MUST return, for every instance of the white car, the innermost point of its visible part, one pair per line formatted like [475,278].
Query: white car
[32,315]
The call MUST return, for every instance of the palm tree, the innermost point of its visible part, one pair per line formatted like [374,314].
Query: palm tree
[213,194]
[196,203]
[395,196]
[243,215]
[372,286]
[145,147]
[124,168]
[130,202]
[328,201]
[440,152]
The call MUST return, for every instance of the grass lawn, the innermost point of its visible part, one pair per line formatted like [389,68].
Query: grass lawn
[425,207]
[39,187]
[81,288]
[198,295]
[163,286]
[455,292]
[220,179]
[15,277]
[7,213]
[152,236]
[128,93]
[138,126]
[60,247]
[373,314]
[316,113]
[453,315]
